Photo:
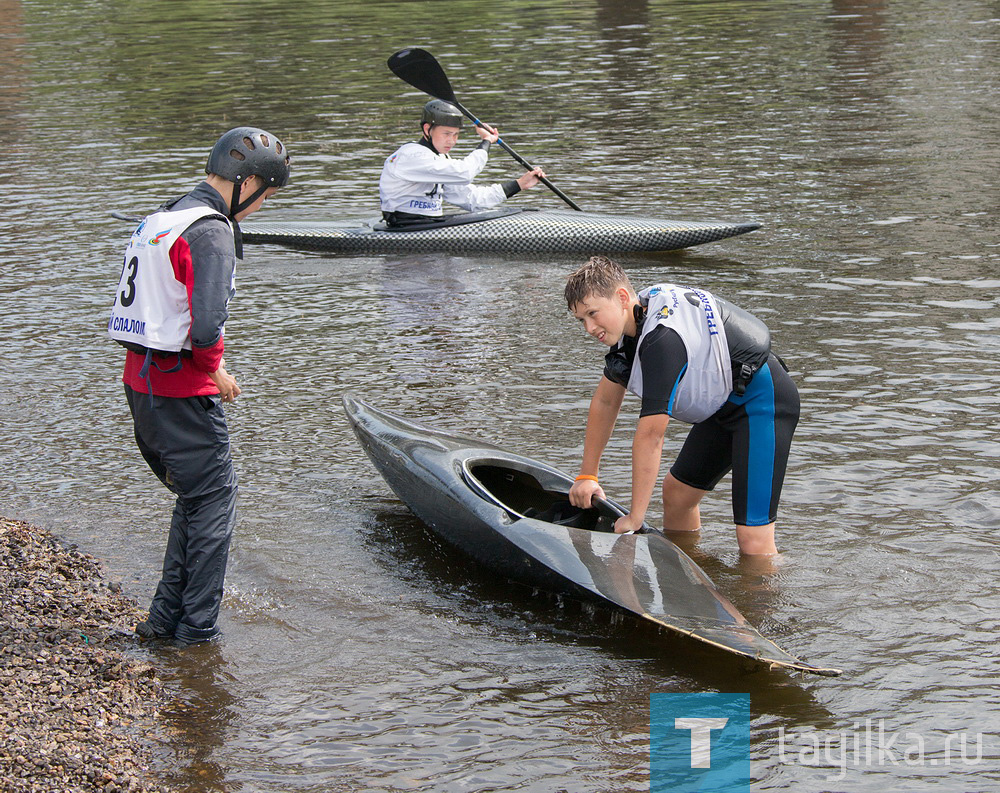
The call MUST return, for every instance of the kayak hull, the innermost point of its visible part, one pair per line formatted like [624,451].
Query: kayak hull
[509,513]
[499,231]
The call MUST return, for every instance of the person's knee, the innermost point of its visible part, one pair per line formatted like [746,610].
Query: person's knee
[680,496]
[756,540]
[681,506]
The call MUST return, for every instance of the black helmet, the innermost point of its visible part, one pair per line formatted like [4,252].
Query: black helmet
[244,152]
[437,111]
[247,151]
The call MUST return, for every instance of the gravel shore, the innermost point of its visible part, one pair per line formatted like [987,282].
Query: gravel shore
[78,695]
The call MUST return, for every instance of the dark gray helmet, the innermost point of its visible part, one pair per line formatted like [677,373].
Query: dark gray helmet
[247,151]
[442,113]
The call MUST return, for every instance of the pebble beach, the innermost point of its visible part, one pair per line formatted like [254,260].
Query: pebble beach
[79,698]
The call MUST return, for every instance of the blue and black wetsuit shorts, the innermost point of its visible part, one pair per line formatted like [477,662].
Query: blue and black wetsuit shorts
[751,436]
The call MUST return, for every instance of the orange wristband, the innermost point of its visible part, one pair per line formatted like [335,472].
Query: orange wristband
[591,477]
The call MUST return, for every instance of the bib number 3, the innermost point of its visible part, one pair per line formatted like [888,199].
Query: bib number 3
[127,296]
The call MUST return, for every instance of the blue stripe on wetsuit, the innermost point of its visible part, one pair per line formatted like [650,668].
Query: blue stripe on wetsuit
[758,401]
[673,391]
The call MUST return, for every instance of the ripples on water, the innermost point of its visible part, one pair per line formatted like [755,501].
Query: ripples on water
[359,651]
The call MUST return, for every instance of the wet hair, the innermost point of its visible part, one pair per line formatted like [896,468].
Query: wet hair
[600,276]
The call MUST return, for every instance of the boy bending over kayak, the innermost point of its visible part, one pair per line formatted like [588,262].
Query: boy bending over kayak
[689,355]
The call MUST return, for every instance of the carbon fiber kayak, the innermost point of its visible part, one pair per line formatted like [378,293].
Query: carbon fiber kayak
[498,231]
[511,514]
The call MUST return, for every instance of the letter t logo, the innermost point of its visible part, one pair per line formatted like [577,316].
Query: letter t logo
[701,738]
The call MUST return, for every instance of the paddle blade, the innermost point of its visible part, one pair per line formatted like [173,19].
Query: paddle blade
[421,70]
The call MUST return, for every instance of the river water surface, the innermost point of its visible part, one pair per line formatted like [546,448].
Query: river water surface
[359,653]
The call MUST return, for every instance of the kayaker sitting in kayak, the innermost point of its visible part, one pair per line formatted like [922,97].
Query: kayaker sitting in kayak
[419,177]
[692,356]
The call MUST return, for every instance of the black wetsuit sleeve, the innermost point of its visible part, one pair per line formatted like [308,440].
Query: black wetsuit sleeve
[511,188]
[663,358]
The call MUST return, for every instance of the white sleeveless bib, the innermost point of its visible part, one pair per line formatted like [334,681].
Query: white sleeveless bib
[694,315]
[151,306]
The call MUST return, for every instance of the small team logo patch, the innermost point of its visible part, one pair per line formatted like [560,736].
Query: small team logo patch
[159,237]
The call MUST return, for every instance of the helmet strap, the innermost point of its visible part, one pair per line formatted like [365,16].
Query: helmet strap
[235,206]
[234,201]
[426,140]
[234,209]
[249,201]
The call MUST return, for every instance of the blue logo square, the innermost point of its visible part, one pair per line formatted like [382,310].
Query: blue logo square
[699,742]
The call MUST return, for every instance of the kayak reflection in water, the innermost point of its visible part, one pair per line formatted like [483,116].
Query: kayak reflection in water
[692,356]
[421,176]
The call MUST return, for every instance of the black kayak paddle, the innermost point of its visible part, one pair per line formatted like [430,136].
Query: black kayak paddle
[421,70]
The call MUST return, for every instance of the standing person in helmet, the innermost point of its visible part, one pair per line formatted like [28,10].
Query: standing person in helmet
[169,312]
[419,177]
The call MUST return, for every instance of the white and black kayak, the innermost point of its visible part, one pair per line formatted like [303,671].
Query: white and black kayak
[505,230]
[511,514]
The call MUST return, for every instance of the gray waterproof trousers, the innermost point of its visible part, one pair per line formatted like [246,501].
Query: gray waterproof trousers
[185,441]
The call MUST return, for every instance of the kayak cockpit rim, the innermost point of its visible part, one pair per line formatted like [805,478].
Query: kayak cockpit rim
[451,219]
[528,490]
